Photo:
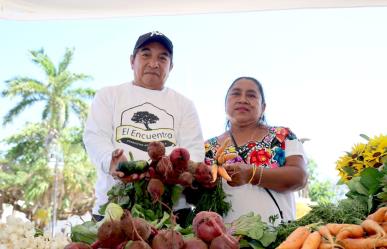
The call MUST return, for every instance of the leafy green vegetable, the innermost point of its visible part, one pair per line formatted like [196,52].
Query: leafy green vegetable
[85,232]
[253,230]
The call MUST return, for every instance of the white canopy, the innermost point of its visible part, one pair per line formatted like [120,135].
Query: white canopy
[75,9]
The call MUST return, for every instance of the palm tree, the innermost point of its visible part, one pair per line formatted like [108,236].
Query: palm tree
[60,97]
[57,92]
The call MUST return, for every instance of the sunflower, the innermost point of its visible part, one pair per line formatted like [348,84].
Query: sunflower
[373,154]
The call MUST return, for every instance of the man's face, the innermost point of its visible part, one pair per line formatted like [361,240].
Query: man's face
[151,66]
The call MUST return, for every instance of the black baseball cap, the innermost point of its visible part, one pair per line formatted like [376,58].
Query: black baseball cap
[154,36]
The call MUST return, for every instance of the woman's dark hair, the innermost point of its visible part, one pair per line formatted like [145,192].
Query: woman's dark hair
[259,86]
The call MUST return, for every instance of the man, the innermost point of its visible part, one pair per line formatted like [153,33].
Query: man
[129,116]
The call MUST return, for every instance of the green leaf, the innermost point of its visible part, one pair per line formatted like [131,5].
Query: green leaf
[365,137]
[356,186]
[176,193]
[370,179]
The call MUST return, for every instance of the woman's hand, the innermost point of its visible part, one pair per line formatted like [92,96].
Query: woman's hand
[240,173]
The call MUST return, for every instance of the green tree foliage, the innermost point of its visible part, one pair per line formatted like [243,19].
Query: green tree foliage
[321,191]
[27,179]
[57,92]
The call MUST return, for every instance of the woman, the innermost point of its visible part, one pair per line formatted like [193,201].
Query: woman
[270,165]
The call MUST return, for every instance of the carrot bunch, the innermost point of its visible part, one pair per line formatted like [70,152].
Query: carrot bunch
[220,158]
[370,234]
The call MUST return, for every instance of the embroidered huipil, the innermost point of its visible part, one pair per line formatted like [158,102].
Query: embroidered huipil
[270,152]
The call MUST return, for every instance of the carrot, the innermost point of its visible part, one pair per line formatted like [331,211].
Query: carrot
[214,172]
[222,147]
[385,217]
[221,159]
[384,225]
[364,243]
[312,241]
[324,245]
[223,173]
[326,234]
[350,231]
[295,239]
[372,227]
[335,228]
[378,215]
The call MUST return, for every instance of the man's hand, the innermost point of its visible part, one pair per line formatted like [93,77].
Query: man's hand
[117,157]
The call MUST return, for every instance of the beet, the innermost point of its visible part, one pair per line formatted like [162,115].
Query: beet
[156,150]
[168,239]
[224,241]
[134,228]
[203,175]
[185,179]
[194,243]
[164,166]
[110,234]
[179,158]
[208,225]
[77,245]
[138,244]
[155,189]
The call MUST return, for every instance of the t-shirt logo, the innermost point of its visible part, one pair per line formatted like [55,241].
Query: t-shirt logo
[145,123]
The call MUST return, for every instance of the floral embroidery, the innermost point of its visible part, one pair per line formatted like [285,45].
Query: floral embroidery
[281,133]
[260,157]
[269,152]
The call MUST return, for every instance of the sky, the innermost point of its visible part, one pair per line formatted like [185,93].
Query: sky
[323,70]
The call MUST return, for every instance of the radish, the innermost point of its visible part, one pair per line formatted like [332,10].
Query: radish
[168,239]
[208,225]
[194,243]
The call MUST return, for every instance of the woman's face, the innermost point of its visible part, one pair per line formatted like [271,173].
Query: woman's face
[244,103]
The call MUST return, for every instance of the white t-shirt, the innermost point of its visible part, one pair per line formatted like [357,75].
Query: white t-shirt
[129,117]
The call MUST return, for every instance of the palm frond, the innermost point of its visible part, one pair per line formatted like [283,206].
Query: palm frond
[67,58]
[42,60]
[82,92]
[23,86]
[18,109]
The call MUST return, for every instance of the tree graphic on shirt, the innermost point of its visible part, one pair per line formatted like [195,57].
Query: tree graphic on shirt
[145,118]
